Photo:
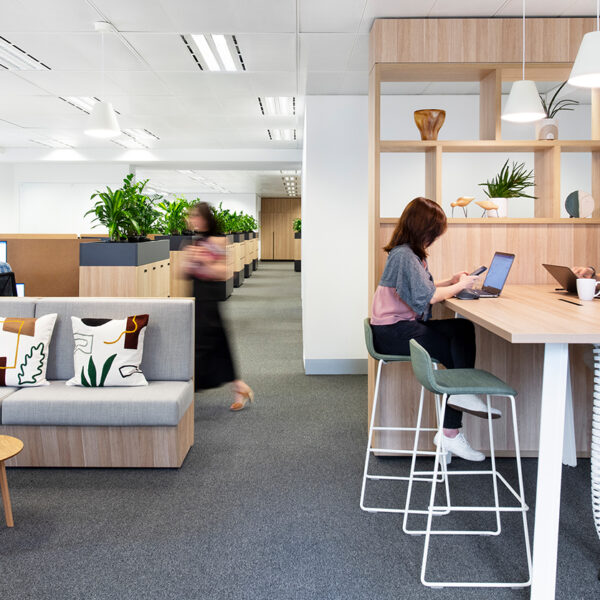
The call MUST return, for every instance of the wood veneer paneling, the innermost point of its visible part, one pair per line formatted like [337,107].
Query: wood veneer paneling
[276,232]
[133,447]
[47,265]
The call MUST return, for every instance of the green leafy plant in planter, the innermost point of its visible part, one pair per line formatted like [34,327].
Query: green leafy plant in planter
[173,216]
[553,107]
[126,212]
[247,222]
[297,225]
[510,182]
[113,210]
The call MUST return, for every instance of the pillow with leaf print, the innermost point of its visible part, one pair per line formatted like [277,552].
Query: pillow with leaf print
[24,346]
[108,352]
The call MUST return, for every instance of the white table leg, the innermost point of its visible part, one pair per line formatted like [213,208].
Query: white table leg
[569,441]
[547,506]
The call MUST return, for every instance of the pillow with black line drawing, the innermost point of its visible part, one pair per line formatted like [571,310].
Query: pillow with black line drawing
[108,352]
[24,344]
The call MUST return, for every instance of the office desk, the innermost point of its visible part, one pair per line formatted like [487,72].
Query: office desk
[532,314]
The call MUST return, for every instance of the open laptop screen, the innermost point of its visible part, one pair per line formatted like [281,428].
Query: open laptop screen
[498,271]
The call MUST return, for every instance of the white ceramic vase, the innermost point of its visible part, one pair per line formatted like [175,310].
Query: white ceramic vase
[502,204]
[546,129]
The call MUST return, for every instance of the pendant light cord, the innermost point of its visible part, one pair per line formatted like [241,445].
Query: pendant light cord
[597,15]
[524,38]
[102,63]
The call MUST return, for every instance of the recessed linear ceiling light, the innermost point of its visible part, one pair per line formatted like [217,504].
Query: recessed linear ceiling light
[218,52]
[141,134]
[129,143]
[288,172]
[14,58]
[84,103]
[278,106]
[286,135]
[51,143]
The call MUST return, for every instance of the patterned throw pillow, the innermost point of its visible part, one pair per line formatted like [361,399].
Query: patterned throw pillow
[108,352]
[24,346]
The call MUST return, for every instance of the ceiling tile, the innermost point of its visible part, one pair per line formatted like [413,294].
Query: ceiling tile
[43,16]
[125,15]
[73,83]
[319,83]
[268,51]
[232,16]
[467,8]
[13,84]
[392,8]
[538,8]
[333,16]
[326,51]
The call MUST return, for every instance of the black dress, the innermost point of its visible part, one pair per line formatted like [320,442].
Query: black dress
[214,362]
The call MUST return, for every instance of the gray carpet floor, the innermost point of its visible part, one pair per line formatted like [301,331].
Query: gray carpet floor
[266,504]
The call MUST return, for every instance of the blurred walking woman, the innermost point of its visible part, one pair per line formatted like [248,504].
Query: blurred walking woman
[205,263]
[402,311]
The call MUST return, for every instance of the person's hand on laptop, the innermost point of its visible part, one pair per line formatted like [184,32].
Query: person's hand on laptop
[468,281]
[583,272]
[456,277]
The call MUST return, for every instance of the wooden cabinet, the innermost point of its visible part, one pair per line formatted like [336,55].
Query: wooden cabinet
[276,222]
[150,280]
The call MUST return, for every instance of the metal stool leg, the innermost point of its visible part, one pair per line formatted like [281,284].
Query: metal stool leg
[494,471]
[433,510]
[370,437]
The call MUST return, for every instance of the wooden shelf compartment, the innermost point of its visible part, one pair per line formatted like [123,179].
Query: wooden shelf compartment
[467,146]
[507,221]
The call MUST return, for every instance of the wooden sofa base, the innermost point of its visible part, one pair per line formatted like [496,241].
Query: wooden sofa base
[68,446]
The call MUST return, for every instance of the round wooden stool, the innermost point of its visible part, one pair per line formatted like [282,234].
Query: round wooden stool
[9,447]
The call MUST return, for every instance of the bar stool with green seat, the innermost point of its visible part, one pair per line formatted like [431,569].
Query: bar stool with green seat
[469,381]
[414,475]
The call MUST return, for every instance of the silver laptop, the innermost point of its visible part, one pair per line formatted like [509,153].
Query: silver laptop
[496,276]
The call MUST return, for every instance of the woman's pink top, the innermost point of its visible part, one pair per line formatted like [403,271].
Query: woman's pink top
[388,308]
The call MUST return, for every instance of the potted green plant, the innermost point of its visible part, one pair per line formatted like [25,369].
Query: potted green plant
[172,222]
[547,129]
[129,216]
[510,182]
[297,227]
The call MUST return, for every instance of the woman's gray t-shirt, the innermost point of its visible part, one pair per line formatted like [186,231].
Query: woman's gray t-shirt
[412,280]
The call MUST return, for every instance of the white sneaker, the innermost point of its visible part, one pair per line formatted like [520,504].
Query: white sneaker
[472,404]
[460,447]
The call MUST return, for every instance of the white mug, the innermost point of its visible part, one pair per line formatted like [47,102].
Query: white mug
[586,289]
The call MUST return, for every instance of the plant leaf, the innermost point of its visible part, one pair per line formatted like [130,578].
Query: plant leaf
[92,372]
[106,368]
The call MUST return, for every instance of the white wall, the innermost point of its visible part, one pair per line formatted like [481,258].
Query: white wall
[335,198]
[334,234]
[45,197]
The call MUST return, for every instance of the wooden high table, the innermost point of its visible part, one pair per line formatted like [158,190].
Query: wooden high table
[533,314]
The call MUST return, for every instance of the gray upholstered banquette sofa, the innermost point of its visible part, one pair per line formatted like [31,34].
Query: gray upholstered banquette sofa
[146,426]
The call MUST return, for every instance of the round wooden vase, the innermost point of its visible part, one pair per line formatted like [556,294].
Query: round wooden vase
[429,122]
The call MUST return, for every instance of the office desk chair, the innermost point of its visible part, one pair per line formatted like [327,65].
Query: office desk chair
[8,285]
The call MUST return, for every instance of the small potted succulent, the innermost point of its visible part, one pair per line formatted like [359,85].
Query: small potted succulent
[510,182]
[547,129]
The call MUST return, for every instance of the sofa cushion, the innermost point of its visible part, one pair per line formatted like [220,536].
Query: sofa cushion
[168,347]
[108,352]
[158,403]
[24,347]
[4,393]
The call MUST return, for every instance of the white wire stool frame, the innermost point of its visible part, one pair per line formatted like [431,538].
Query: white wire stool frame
[436,510]
[414,475]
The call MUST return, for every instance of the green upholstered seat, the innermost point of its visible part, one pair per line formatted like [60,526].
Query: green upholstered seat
[371,347]
[378,356]
[455,381]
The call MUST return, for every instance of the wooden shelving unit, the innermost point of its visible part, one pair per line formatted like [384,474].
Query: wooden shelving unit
[482,50]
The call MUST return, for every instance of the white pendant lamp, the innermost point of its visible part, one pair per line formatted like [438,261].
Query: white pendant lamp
[586,68]
[523,104]
[102,122]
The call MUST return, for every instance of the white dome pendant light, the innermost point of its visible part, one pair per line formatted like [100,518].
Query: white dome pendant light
[102,122]
[586,68]
[523,104]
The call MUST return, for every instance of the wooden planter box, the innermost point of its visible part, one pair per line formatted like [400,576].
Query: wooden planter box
[180,286]
[297,251]
[139,269]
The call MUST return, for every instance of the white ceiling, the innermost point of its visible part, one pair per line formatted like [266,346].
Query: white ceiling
[267,183]
[290,48]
